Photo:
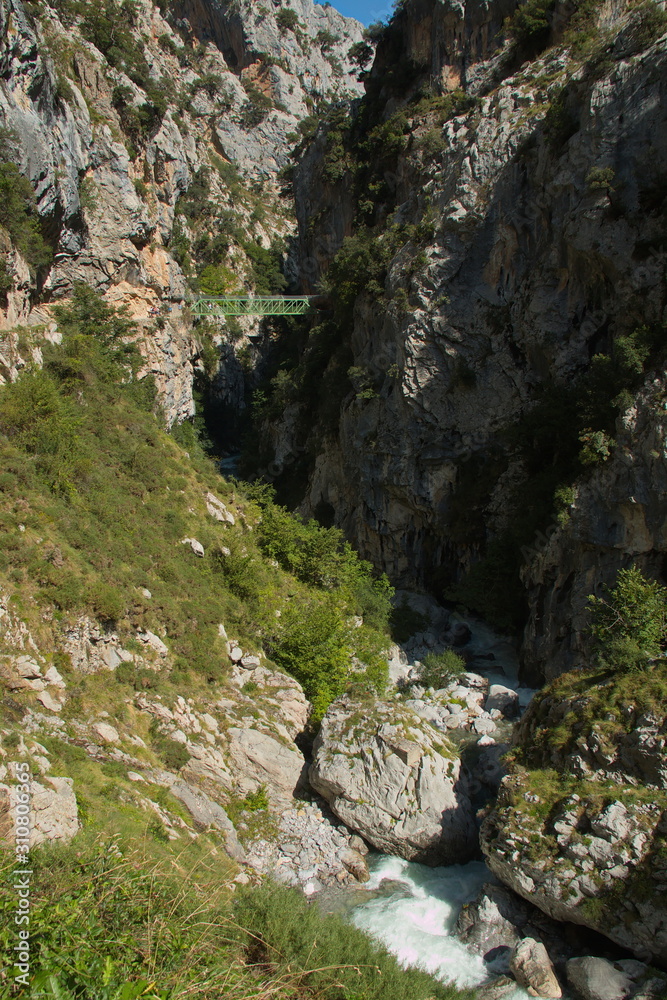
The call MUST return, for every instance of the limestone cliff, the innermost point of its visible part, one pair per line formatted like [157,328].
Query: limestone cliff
[518,226]
[138,140]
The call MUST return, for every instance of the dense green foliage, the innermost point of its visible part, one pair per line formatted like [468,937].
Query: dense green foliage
[283,927]
[205,250]
[629,624]
[86,467]
[531,23]
[115,924]
[438,669]
[287,20]
[18,215]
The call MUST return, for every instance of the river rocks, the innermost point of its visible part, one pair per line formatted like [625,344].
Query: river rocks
[355,863]
[571,874]
[311,850]
[393,779]
[580,854]
[496,989]
[482,923]
[597,979]
[502,699]
[498,919]
[358,844]
[531,966]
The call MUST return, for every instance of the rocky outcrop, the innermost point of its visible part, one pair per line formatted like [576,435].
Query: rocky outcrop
[579,825]
[53,809]
[313,849]
[598,979]
[394,780]
[617,516]
[107,182]
[531,967]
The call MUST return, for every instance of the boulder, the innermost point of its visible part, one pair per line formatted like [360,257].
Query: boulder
[357,843]
[496,989]
[53,810]
[484,926]
[53,677]
[256,758]
[206,813]
[395,780]
[153,641]
[27,668]
[531,967]
[106,732]
[196,546]
[459,634]
[49,702]
[597,979]
[498,959]
[502,699]
[355,864]
[217,509]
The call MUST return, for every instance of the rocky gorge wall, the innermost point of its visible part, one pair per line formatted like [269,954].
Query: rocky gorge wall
[543,206]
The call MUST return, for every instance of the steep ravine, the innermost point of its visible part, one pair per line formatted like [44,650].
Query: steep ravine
[532,240]
[477,403]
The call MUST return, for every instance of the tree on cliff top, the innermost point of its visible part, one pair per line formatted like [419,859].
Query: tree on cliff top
[629,624]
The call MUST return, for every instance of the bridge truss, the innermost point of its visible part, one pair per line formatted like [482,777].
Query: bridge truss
[246,305]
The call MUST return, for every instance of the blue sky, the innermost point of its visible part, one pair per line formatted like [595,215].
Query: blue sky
[365,11]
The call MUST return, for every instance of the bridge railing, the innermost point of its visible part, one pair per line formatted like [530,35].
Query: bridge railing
[251,305]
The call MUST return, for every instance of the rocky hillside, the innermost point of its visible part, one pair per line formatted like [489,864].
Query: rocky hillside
[152,138]
[490,225]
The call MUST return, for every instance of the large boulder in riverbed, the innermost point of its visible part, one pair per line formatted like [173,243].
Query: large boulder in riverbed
[532,969]
[395,780]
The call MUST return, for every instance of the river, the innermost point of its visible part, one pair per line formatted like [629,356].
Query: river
[412,910]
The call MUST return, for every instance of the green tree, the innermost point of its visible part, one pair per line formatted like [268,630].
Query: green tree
[287,20]
[629,624]
[18,214]
[314,644]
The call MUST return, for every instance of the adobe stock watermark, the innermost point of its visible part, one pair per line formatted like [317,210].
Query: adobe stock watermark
[22,873]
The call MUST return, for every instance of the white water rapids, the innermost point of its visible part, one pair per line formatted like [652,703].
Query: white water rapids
[412,910]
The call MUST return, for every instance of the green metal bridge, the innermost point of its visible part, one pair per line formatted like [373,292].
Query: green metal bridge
[248,305]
